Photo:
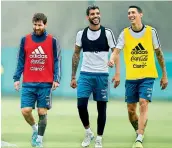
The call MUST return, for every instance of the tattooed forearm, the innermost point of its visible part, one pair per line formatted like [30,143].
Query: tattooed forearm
[75,60]
[160,57]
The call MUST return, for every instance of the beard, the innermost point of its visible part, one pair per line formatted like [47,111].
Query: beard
[94,23]
[39,32]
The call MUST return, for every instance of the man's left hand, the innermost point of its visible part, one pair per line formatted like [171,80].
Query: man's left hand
[164,82]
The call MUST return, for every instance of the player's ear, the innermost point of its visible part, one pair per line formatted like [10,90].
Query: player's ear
[45,25]
[87,17]
[141,15]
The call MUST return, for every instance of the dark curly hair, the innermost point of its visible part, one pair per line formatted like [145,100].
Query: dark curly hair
[92,7]
[39,17]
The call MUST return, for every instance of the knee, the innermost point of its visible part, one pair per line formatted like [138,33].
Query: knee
[131,111]
[82,104]
[26,111]
[42,111]
[42,120]
[143,103]
[101,107]
[82,107]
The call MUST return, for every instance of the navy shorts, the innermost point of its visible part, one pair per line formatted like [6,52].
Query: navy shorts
[136,89]
[96,83]
[30,96]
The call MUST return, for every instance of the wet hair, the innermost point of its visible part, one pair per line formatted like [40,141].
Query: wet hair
[91,7]
[39,17]
[138,8]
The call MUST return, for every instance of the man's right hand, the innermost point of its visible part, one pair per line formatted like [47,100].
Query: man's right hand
[17,85]
[116,80]
[73,83]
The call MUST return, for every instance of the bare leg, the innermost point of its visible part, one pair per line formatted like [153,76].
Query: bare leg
[27,113]
[143,115]
[132,115]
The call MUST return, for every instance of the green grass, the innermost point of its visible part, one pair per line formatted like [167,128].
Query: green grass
[64,129]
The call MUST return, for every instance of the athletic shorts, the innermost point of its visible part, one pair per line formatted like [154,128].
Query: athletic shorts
[32,96]
[136,89]
[96,83]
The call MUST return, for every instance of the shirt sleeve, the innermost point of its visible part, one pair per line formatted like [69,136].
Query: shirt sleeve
[110,38]
[57,60]
[120,41]
[78,38]
[155,39]
[20,61]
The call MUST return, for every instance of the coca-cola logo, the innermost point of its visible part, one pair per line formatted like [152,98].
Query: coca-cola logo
[139,59]
[39,61]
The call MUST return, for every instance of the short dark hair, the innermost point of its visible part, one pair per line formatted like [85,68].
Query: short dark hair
[39,17]
[138,8]
[91,7]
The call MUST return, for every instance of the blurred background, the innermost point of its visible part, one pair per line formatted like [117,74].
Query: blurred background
[65,19]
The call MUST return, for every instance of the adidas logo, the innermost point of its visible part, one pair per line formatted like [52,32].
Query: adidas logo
[139,49]
[38,53]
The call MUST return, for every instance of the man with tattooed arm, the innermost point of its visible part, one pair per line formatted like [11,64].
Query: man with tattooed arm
[95,40]
[139,42]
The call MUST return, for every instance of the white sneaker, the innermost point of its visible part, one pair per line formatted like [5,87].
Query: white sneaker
[98,143]
[87,139]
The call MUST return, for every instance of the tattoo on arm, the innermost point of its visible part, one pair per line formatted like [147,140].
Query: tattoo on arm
[75,60]
[160,57]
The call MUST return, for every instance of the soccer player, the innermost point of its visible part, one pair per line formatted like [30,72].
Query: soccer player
[95,40]
[139,42]
[39,61]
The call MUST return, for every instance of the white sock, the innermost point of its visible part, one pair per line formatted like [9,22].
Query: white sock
[88,130]
[35,127]
[139,137]
[99,138]
[40,138]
